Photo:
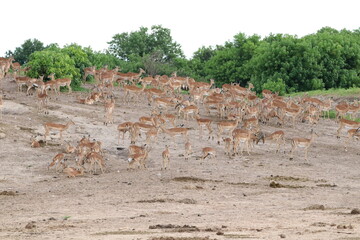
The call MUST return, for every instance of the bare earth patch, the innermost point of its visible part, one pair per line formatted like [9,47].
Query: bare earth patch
[263,195]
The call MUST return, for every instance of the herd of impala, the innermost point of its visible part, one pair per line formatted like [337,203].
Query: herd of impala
[239,116]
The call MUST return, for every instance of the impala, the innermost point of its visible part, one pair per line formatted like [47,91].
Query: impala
[109,109]
[58,160]
[89,71]
[124,128]
[135,91]
[226,126]
[152,134]
[344,123]
[243,137]
[189,110]
[139,158]
[95,158]
[58,127]
[341,110]
[173,132]
[166,158]
[278,137]
[188,150]
[202,123]
[130,76]
[42,99]
[352,133]
[208,151]
[302,143]
[228,143]
[73,172]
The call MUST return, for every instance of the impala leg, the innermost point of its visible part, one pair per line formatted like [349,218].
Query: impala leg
[292,152]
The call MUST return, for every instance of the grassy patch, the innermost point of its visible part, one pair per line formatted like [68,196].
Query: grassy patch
[328,93]
[79,89]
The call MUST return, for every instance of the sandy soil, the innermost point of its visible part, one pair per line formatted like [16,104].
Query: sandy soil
[223,198]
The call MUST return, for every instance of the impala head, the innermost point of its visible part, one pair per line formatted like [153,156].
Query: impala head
[313,133]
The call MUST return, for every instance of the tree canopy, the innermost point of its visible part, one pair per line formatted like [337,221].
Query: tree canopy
[284,63]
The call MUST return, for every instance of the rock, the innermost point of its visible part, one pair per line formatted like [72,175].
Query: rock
[282,235]
[30,225]
[355,211]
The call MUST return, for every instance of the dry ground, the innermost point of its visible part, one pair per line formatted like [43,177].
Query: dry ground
[219,199]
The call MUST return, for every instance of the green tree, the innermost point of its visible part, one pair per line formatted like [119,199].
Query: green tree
[141,43]
[22,53]
[49,61]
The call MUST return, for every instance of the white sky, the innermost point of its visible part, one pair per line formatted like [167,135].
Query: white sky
[193,23]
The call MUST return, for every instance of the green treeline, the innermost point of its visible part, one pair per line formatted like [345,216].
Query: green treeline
[283,63]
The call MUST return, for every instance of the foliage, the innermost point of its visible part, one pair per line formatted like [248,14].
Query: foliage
[49,61]
[277,86]
[22,53]
[141,43]
[327,59]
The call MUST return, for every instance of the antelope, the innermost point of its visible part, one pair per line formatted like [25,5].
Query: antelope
[290,112]
[139,158]
[326,107]
[166,158]
[354,109]
[133,90]
[58,160]
[88,100]
[72,172]
[154,92]
[51,84]
[341,110]
[302,143]
[89,71]
[176,132]
[86,146]
[251,123]
[96,158]
[63,82]
[278,137]
[134,149]
[188,150]
[226,126]
[130,76]
[208,151]
[228,143]
[42,97]
[109,108]
[163,103]
[347,124]
[124,128]
[69,148]
[352,133]
[152,133]
[203,122]
[34,143]
[194,110]
[59,127]
[242,136]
